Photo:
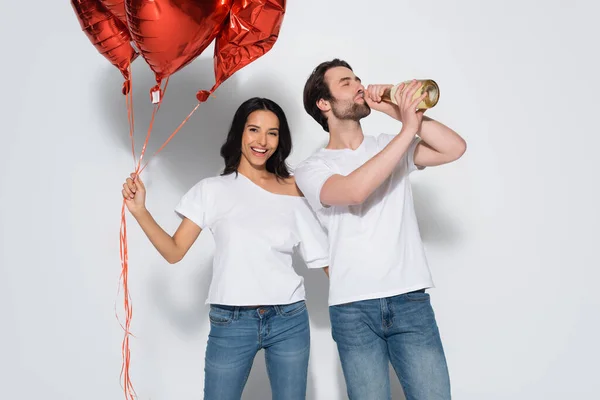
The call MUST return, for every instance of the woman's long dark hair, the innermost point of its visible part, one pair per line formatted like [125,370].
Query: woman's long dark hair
[231,151]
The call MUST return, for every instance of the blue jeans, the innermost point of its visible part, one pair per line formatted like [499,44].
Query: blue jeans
[402,330]
[238,333]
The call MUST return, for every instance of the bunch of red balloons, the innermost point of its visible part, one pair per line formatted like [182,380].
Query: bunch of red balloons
[169,34]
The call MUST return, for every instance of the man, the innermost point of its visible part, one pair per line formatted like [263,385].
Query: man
[359,188]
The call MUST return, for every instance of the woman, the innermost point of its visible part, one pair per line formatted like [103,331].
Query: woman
[258,218]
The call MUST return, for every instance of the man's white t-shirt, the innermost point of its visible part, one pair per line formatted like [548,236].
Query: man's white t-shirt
[375,247]
[256,233]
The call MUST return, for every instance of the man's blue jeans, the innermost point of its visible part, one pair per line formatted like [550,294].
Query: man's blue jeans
[402,330]
[238,333]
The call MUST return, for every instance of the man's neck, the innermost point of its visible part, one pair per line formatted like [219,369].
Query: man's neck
[345,135]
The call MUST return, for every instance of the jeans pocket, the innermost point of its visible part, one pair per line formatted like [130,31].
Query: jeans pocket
[220,316]
[292,309]
[419,295]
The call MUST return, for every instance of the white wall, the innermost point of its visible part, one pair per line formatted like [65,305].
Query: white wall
[511,229]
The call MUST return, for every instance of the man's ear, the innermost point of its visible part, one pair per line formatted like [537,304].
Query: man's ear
[323,105]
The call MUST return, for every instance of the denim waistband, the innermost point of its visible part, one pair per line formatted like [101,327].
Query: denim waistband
[243,308]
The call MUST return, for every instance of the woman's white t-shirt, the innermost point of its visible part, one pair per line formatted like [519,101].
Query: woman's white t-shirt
[256,233]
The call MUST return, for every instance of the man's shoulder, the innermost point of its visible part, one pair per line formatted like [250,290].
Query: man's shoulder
[314,160]
[382,139]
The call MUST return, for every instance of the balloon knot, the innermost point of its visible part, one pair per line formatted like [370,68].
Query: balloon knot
[203,95]
[126,87]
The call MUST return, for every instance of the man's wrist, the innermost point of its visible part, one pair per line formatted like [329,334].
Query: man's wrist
[408,132]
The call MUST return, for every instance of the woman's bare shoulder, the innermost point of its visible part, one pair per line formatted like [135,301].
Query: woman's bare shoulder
[291,188]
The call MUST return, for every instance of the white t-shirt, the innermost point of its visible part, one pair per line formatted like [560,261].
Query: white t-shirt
[375,247]
[256,233]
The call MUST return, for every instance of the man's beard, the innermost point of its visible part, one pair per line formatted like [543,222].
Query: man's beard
[350,110]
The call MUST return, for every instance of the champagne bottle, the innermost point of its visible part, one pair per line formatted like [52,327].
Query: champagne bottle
[427,85]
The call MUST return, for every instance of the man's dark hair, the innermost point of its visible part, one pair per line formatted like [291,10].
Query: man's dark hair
[316,89]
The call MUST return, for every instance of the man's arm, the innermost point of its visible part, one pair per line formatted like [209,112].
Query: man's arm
[356,187]
[439,145]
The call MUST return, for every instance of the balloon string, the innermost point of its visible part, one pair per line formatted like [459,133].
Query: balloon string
[172,134]
[130,116]
[125,351]
[125,376]
[150,126]
[127,386]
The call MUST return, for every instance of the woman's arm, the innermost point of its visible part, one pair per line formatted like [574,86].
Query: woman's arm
[172,248]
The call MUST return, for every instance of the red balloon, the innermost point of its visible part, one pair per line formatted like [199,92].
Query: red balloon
[172,33]
[250,32]
[107,33]
[117,8]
